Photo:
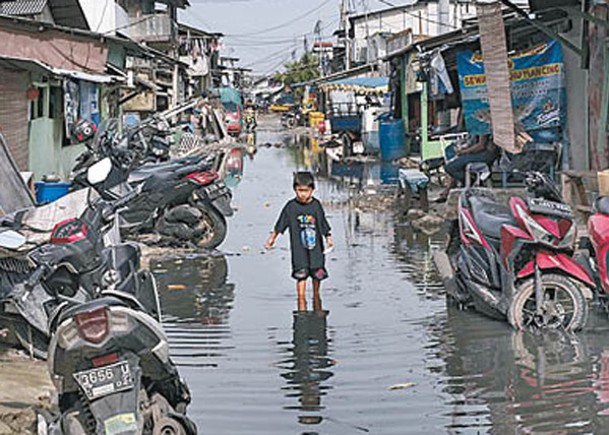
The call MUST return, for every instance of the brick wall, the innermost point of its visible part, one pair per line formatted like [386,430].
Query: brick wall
[14,114]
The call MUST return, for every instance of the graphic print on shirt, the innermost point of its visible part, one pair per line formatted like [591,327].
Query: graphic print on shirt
[308,235]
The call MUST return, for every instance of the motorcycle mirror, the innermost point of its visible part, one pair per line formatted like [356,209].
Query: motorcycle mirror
[99,171]
[12,239]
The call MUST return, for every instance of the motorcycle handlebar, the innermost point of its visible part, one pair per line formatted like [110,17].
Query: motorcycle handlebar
[35,278]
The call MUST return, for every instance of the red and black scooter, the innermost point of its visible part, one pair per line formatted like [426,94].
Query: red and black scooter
[595,254]
[516,262]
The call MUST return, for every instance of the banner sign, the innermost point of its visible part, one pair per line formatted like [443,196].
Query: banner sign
[538,89]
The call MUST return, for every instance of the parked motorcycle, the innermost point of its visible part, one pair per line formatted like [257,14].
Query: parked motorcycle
[292,118]
[84,255]
[516,262]
[183,199]
[593,255]
[111,365]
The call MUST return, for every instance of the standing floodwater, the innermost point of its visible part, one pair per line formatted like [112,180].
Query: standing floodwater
[388,356]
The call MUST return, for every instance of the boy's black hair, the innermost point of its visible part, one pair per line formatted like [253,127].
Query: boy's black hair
[304,179]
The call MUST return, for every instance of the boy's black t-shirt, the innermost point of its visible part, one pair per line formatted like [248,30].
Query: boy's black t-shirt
[308,226]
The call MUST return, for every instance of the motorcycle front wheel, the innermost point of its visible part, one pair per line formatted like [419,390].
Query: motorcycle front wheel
[564,306]
[212,229]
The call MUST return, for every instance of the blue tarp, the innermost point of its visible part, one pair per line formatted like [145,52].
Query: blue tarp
[365,82]
[229,95]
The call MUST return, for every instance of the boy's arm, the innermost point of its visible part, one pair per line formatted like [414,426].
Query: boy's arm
[280,227]
[271,240]
[326,231]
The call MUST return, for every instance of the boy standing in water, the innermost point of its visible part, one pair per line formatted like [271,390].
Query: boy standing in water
[305,217]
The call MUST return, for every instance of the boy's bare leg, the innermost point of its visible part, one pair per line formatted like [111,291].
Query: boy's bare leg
[316,297]
[301,287]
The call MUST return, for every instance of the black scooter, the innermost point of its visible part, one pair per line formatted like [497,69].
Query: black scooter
[110,362]
[84,256]
[182,199]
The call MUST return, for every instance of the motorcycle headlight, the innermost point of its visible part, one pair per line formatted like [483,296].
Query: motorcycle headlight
[543,236]
[539,233]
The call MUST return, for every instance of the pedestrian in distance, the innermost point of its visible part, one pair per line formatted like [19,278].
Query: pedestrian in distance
[304,216]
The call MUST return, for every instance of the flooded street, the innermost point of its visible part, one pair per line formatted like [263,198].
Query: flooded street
[388,357]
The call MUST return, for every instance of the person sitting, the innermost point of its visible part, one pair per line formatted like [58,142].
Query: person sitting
[480,148]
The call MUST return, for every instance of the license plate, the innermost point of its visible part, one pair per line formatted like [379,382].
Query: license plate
[215,190]
[543,206]
[100,382]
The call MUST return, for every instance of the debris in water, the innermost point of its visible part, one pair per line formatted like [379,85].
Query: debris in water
[428,224]
[414,214]
[176,286]
[402,386]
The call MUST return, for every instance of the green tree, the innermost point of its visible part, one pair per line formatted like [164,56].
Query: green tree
[305,69]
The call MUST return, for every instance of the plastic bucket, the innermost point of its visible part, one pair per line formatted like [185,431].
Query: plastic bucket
[391,139]
[48,192]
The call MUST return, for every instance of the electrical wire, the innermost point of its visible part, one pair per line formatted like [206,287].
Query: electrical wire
[287,23]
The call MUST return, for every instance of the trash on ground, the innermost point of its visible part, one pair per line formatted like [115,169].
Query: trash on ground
[403,386]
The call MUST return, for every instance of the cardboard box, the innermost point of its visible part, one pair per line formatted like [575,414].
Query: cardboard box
[603,183]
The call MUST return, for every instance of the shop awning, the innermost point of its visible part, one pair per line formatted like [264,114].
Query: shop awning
[364,85]
[39,67]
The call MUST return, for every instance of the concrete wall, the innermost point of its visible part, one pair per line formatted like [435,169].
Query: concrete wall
[577,103]
[104,16]
[423,18]
[47,153]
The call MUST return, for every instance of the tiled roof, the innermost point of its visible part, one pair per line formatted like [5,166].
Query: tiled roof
[22,7]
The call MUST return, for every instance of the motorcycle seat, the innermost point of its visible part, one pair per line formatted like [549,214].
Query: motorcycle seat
[490,216]
[601,205]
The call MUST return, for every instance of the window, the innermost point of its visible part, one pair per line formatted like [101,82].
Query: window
[55,102]
[49,103]
[37,105]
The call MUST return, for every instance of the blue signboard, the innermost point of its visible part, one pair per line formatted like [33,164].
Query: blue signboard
[538,89]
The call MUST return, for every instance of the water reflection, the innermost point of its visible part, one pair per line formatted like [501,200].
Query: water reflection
[505,381]
[307,365]
[196,300]
[413,251]
[308,153]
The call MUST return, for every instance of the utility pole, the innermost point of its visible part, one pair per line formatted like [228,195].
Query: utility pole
[443,16]
[344,26]
[365,4]
[320,52]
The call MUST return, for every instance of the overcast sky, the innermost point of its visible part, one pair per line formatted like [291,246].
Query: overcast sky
[264,33]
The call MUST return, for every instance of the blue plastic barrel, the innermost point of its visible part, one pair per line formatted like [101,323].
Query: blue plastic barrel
[48,192]
[389,173]
[392,139]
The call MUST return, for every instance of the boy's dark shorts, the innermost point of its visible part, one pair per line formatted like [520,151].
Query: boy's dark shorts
[318,274]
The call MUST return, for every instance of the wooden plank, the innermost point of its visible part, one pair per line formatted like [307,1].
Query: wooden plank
[14,194]
[494,54]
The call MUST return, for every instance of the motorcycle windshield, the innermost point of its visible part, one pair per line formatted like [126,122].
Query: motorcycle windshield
[107,130]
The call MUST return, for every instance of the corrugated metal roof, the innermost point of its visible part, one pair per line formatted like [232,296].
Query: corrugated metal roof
[22,7]
[16,64]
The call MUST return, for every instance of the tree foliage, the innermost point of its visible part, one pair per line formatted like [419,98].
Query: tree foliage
[305,69]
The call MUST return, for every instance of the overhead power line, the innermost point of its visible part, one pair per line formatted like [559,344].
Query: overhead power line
[287,23]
